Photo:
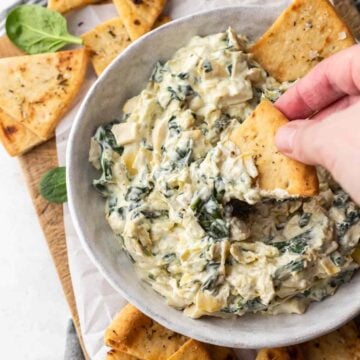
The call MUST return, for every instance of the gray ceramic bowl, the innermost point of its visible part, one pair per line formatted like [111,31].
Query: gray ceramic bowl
[125,78]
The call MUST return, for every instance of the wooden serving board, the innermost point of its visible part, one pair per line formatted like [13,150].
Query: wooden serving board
[44,157]
[34,164]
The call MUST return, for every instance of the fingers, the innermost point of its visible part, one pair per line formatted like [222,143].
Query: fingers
[339,105]
[331,142]
[329,81]
[302,141]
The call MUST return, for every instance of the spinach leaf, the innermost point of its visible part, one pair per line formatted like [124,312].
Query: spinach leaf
[155,214]
[168,258]
[254,305]
[297,244]
[106,139]
[183,75]
[352,217]
[341,278]
[210,282]
[137,193]
[174,127]
[53,185]
[207,66]
[35,29]
[304,219]
[158,73]
[284,272]
[210,217]
[222,123]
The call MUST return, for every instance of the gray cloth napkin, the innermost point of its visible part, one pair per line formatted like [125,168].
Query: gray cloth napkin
[73,349]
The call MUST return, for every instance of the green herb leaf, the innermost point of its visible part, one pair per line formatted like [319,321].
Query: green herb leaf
[35,29]
[53,186]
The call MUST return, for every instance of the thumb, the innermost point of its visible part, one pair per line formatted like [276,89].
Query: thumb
[302,141]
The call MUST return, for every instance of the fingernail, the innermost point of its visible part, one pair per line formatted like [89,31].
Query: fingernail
[285,138]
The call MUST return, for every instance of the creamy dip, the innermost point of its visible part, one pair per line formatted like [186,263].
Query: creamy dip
[185,203]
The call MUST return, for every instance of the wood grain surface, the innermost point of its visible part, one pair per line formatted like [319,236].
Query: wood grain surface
[34,164]
[44,157]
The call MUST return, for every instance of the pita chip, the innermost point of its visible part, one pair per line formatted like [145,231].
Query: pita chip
[139,16]
[288,353]
[63,6]
[343,344]
[136,334]
[105,42]
[16,138]
[304,34]
[117,355]
[36,90]
[256,137]
[192,350]
[162,20]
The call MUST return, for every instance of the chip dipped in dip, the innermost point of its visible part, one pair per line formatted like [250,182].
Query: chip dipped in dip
[185,204]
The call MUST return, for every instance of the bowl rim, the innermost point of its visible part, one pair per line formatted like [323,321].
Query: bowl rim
[257,342]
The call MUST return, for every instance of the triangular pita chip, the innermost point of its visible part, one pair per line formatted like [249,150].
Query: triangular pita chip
[37,89]
[105,42]
[192,350]
[16,138]
[288,353]
[162,20]
[136,334]
[304,34]
[139,16]
[63,6]
[342,344]
[256,137]
[117,355]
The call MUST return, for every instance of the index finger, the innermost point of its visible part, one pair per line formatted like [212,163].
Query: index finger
[330,80]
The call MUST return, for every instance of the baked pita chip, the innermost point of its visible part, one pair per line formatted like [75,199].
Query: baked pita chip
[117,355]
[139,16]
[36,90]
[105,42]
[256,137]
[221,353]
[289,353]
[304,34]
[341,344]
[16,138]
[192,350]
[63,6]
[136,334]
[162,20]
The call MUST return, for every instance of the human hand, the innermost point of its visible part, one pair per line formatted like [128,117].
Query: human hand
[328,101]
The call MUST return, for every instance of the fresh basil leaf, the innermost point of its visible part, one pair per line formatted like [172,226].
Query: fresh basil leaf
[53,185]
[35,29]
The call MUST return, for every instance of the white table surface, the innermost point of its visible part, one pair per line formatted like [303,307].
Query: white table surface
[33,311]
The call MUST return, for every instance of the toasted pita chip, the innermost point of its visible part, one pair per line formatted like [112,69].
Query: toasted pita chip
[135,334]
[289,353]
[16,138]
[117,355]
[162,20]
[37,89]
[139,16]
[221,353]
[63,6]
[306,32]
[105,42]
[343,344]
[192,350]
[256,137]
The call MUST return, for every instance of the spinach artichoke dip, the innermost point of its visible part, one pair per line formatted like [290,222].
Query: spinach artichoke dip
[185,203]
